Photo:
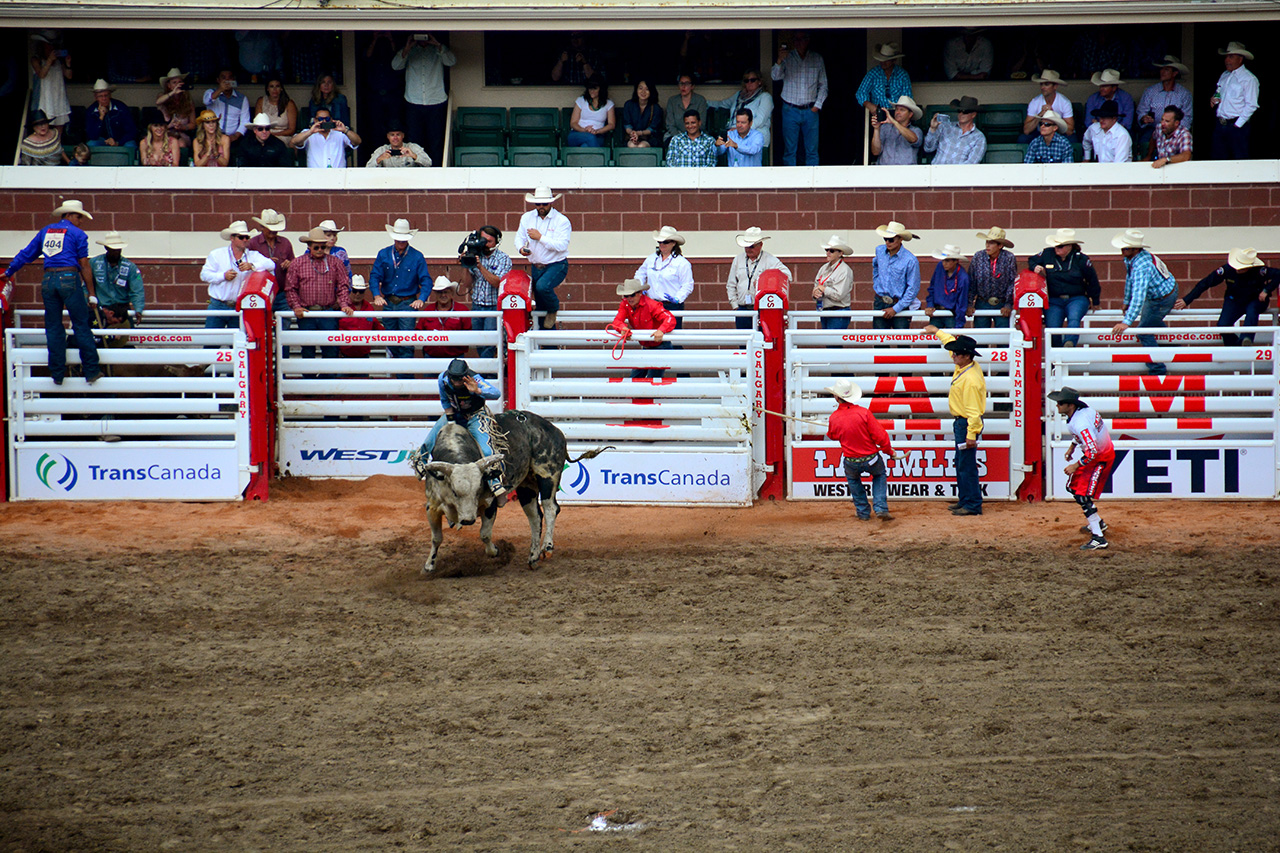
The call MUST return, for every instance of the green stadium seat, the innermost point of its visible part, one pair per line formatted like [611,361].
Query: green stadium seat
[103,155]
[476,126]
[539,156]
[584,157]
[1005,152]
[637,157]
[480,155]
[535,126]
[1001,122]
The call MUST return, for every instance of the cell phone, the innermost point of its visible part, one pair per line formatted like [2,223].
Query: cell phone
[395,152]
[327,125]
[783,46]
[62,54]
[882,114]
[422,37]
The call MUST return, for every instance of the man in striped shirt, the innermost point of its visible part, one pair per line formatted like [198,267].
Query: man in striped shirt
[959,141]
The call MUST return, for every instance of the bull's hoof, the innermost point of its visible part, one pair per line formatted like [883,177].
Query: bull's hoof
[546,554]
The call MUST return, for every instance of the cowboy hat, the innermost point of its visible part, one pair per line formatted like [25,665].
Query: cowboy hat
[270,220]
[834,242]
[1062,237]
[895,229]
[1065,395]
[666,232]
[844,389]
[541,195]
[261,120]
[358,283]
[101,85]
[630,286]
[962,345]
[400,231]
[237,227]
[1243,259]
[1106,77]
[72,206]
[36,117]
[1048,76]
[1130,239]
[885,52]
[1237,48]
[442,282]
[996,235]
[948,253]
[173,72]
[315,235]
[329,225]
[905,101]
[1050,115]
[206,115]
[965,104]
[47,36]
[1109,109]
[750,237]
[458,369]
[1171,61]
[112,240]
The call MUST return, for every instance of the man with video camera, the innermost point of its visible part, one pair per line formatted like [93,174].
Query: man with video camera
[397,153]
[481,258]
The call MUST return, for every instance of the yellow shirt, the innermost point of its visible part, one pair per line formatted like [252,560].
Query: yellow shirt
[968,396]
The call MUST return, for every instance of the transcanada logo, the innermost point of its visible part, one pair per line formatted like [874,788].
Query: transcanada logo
[48,467]
[665,477]
[335,454]
[581,482]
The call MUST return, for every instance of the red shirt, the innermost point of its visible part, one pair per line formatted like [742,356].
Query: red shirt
[446,324]
[648,314]
[356,323]
[857,430]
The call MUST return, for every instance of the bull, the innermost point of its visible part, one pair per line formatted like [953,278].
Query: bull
[533,458]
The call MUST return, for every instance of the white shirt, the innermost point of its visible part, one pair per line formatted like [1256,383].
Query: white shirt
[744,275]
[1113,146]
[326,152]
[556,232]
[1061,105]
[669,280]
[593,119]
[1239,93]
[424,73]
[221,260]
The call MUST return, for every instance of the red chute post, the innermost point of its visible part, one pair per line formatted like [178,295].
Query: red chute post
[4,395]
[771,306]
[254,305]
[514,302]
[1030,294]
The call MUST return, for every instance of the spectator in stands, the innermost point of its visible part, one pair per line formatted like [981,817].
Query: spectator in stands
[1172,142]
[444,301]
[118,283]
[543,237]
[1052,145]
[803,75]
[1072,283]
[108,121]
[1150,291]
[862,440]
[1108,82]
[593,117]
[886,81]
[641,116]
[260,53]
[948,289]
[1098,47]
[423,60]
[685,99]
[397,153]
[326,142]
[969,56]
[175,105]
[578,62]
[400,282]
[211,146]
[358,320]
[1106,140]
[693,147]
[1169,92]
[1250,283]
[753,95]
[667,273]
[158,148]
[486,278]
[833,283]
[226,271]
[331,230]
[52,66]
[80,155]
[1234,101]
[1048,99]
[325,95]
[895,139]
[262,147]
[958,142]
[967,402]
[744,274]
[231,107]
[42,146]
[744,145]
[992,274]
[279,108]
[639,312]
[316,282]
[895,278]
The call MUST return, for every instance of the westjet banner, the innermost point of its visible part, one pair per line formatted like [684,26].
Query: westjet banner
[352,454]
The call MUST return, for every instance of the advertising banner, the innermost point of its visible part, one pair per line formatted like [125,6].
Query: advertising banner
[101,471]
[817,472]
[348,453]
[1181,472]
[672,477]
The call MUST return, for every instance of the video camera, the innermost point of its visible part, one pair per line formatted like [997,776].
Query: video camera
[472,249]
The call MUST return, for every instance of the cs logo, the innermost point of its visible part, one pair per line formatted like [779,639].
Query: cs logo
[47,468]
[582,481]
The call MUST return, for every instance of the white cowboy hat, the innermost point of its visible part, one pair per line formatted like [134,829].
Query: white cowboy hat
[1243,259]
[330,225]
[71,205]
[895,229]
[101,85]
[845,389]
[173,72]
[358,283]
[1130,239]
[1048,76]
[113,240]
[630,286]
[541,195]
[270,220]
[666,232]
[834,242]
[996,235]
[948,252]
[1171,61]
[442,282]
[1062,237]
[1106,77]
[315,235]
[1236,48]
[237,227]
[885,52]
[750,237]
[1050,115]
[261,120]
[400,231]
[905,101]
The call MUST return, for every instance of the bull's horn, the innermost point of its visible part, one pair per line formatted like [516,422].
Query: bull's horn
[440,470]
[490,462]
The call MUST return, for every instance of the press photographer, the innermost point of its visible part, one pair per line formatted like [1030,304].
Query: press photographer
[398,153]
[485,264]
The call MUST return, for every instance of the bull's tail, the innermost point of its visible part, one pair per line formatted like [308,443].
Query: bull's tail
[592,454]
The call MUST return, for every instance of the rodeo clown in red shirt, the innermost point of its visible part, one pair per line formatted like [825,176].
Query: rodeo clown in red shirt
[638,311]
[1089,475]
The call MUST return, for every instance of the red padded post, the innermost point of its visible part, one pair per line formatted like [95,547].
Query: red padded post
[771,306]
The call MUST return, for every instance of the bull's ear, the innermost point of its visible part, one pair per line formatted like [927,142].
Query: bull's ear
[490,463]
[440,470]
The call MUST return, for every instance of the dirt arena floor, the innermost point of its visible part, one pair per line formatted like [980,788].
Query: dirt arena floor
[198,677]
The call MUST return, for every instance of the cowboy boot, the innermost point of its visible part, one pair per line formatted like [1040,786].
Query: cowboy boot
[549,322]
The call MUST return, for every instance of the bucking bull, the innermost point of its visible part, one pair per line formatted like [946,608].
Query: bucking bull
[533,459]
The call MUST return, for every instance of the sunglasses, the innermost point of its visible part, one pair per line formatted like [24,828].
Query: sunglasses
[241,236]
[829,251]
[891,239]
[1047,124]
[750,79]
[666,242]
[968,112]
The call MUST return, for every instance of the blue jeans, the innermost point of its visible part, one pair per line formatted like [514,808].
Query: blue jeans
[651,372]
[1070,308]
[61,288]
[834,324]
[404,323]
[484,324]
[969,490]
[545,281]
[879,303]
[578,139]
[425,125]
[222,322]
[476,425]
[1152,316]
[308,323]
[745,322]
[1230,142]
[990,320]
[853,472]
[797,123]
[278,304]
[955,321]
[675,306]
[1232,310]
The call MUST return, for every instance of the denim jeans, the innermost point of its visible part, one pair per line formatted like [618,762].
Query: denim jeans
[61,288]
[1152,317]
[954,322]
[578,139]
[278,304]
[476,425]
[221,322]
[798,123]
[879,303]
[308,323]
[1232,310]
[837,323]
[425,125]
[1069,308]
[969,489]
[404,321]
[484,324]
[853,472]
[745,322]
[990,320]
[651,372]
[545,281]
[1230,142]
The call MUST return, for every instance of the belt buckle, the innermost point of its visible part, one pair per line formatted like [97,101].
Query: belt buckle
[994,300]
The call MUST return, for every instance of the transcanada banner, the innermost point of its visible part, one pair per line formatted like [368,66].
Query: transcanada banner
[673,478]
[102,471]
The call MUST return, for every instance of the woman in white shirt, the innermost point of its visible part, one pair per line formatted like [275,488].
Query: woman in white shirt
[667,272]
[593,116]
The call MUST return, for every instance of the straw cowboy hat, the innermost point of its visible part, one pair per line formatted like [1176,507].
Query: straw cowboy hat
[630,286]
[271,220]
[996,235]
[895,229]
[834,242]
[358,283]
[1062,237]
[1106,77]
[948,253]
[666,232]
[330,225]
[400,231]
[71,205]
[261,120]
[1050,115]
[1065,395]
[112,240]
[237,227]
[1243,259]
[750,237]
[315,235]
[1130,239]
[844,389]
[101,85]
[541,195]
[442,282]
[1237,48]
[885,52]
[962,345]
[206,115]
[1171,61]
[173,72]
[1048,76]
[905,101]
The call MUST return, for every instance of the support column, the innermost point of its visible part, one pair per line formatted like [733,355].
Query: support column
[1029,295]
[771,305]
[514,302]
[257,320]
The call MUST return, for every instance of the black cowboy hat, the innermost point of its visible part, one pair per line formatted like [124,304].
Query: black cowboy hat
[36,117]
[458,369]
[1066,395]
[965,104]
[1109,109]
[963,345]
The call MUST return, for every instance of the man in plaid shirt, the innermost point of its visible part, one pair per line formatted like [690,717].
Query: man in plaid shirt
[1150,291]
[693,148]
[1172,141]
[486,277]
[886,82]
[1050,146]
[803,75]
[317,282]
[959,141]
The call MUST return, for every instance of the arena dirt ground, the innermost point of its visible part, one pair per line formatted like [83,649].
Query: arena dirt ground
[200,677]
